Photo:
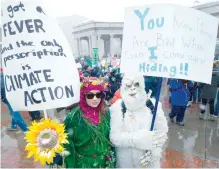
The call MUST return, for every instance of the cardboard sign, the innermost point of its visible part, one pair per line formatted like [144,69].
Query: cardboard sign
[39,70]
[169,41]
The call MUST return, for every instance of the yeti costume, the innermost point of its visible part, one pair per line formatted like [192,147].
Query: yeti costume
[130,131]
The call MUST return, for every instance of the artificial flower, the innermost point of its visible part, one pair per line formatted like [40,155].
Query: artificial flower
[44,140]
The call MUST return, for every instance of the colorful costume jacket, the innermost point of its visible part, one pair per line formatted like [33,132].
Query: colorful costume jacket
[89,145]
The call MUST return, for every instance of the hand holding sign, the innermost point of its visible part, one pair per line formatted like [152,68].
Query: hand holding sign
[168,41]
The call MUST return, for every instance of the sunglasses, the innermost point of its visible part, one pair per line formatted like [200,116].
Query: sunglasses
[98,95]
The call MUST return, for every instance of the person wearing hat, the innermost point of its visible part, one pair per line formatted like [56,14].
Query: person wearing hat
[95,72]
[216,70]
[86,71]
[208,94]
[88,127]
[114,82]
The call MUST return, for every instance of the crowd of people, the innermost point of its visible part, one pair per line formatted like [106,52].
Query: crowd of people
[114,114]
[184,93]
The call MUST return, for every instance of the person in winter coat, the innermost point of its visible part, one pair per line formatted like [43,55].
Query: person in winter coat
[216,112]
[86,71]
[17,119]
[95,72]
[193,94]
[114,82]
[216,70]
[208,94]
[197,92]
[151,83]
[179,99]
[116,97]
[35,115]
[81,75]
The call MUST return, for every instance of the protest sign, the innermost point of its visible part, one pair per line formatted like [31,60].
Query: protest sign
[95,57]
[39,70]
[169,41]
[115,61]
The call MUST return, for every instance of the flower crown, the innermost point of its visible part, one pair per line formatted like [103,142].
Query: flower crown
[92,81]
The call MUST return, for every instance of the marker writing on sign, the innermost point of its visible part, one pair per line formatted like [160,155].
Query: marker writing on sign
[184,69]
[14,9]
[20,81]
[38,54]
[171,70]
[38,95]
[40,10]
[15,27]
[152,54]
[151,23]
[7,48]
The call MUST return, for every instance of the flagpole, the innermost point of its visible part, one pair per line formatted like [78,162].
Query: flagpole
[156,103]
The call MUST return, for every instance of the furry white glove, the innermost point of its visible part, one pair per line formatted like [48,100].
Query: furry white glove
[147,159]
[65,153]
[159,137]
[148,140]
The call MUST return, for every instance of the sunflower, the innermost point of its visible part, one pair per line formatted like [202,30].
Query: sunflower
[44,140]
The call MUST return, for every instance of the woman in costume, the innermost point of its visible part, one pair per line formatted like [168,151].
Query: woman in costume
[88,127]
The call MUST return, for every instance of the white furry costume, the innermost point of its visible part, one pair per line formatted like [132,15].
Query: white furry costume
[130,131]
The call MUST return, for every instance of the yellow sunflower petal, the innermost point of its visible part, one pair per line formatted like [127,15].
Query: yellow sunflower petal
[32,135]
[64,141]
[30,154]
[42,161]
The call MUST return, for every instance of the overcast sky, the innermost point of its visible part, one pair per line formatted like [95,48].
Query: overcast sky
[102,10]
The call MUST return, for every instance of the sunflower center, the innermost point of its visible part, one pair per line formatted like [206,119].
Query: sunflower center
[47,139]
[46,136]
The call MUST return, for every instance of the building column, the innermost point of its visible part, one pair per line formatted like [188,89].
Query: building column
[120,42]
[82,46]
[87,49]
[76,50]
[98,41]
[120,45]
[99,45]
[112,45]
[79,46]
[94,41]
[104,47]
[90,47]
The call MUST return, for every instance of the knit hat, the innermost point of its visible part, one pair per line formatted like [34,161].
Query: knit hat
[88,84]
[91,83]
